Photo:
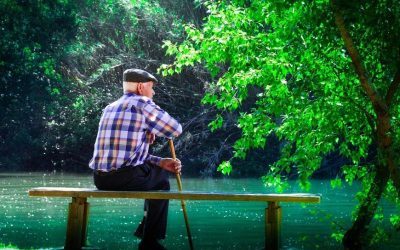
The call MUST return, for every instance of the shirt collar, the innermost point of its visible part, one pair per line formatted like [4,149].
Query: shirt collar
[130,94]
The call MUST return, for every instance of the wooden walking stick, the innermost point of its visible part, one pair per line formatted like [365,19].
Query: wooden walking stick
[178,179]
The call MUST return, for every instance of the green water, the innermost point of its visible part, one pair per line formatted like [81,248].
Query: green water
[31,222]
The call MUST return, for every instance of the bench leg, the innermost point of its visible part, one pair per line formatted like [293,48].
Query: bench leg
[77,223]
[273,226]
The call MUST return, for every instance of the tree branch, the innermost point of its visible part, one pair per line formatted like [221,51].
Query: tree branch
[377,102]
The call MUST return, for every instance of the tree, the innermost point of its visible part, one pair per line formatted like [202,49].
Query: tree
[327,75]
[33,36]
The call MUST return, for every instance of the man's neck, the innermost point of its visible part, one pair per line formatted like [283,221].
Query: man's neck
[130,92]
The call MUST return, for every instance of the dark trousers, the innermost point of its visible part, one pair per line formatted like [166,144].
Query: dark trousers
[143,177]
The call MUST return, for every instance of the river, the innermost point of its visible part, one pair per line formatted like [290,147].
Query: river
[40,223]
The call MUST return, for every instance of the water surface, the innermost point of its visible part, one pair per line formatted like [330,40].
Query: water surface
[40,223]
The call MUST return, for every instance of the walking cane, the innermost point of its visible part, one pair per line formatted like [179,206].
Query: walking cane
[178,179]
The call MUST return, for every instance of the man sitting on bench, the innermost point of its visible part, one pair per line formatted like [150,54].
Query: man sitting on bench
[121,159]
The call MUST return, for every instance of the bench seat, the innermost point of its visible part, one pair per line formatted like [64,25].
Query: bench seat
[173,195]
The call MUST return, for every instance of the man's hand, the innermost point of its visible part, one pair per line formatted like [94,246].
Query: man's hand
[171,165]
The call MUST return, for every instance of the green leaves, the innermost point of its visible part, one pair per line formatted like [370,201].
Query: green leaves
[335,183]
[276,182]
[307,93]
[186,54]
[225,167]
[395,220]
[49,69]
[217,123]
[337,236]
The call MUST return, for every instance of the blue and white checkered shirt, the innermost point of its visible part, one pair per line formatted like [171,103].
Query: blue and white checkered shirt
[123,137]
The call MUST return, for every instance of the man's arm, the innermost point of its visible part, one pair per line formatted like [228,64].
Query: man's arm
[160,122]
[153,159]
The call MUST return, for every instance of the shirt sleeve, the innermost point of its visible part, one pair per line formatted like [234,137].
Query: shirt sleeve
[153,159]
[160,122]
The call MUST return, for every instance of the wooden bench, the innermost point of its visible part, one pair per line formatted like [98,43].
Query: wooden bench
[79,207]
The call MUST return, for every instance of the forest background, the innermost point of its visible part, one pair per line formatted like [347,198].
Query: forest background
[296,89]
[61,63]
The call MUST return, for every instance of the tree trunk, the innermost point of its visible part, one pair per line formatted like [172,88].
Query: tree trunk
[355,237]
[386,166]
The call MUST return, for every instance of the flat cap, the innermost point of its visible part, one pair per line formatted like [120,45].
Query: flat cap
[138,75]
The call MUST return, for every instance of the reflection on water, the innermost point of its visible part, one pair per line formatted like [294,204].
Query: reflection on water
[31,222]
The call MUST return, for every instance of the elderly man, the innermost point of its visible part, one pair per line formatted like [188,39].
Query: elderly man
[121,159]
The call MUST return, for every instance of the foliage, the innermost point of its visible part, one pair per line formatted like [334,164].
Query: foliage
[33,36]
[9,246]
[309,94]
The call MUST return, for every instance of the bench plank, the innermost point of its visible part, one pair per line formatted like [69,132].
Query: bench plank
[173,195]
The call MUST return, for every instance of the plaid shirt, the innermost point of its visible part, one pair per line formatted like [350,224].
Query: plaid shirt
[123,135]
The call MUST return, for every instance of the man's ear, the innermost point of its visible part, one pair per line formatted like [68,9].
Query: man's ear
[139,88]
